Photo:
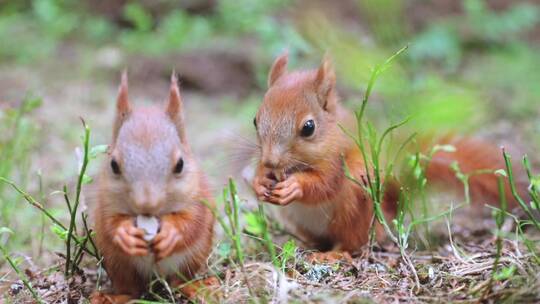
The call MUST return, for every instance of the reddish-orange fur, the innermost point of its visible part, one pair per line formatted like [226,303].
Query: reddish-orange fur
[473,155]
[311,167]
[143,140]
[305,177]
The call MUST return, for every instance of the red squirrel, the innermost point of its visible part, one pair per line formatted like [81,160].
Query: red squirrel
[151,171]
[302,150]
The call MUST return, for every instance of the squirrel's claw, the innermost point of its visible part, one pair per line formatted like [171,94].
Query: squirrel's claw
[166,241]
[286,192]
[129,239]
[289,198]
[262,186]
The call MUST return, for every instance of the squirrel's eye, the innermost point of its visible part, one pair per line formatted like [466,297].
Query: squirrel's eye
[115,167]
[308,128]
[179,166]
[255,122]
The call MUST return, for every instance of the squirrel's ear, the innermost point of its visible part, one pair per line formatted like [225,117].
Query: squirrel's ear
[122,102]
[123,107]
[174,106]
[175,100]
[325,81]
[279,67]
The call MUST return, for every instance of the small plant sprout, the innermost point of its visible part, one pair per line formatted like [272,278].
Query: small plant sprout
[15,266]
[231,227]
[18,137]
[464,179]
[371,147]
[74,255]
[534,186]
[367,132]
[536,202]
[288,253]
[257,224]
[499,216]
[418,162]
[76,244]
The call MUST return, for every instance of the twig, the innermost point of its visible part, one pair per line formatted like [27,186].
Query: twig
[21,275]
[73,213]
[29,199]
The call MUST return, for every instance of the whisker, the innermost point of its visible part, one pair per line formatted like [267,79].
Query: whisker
[237,152]
[299,161]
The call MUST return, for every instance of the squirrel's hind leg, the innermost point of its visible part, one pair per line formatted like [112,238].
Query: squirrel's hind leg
[103,298]
[199,290]
[329,257]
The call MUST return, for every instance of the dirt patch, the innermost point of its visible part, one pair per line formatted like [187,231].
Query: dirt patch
[460,270]
[208,71]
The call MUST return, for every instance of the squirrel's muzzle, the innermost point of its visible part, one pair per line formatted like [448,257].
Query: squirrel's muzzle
[147,199]
[271,157]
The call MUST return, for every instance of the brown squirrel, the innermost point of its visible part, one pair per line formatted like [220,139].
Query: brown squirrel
[151,171]
[302,150]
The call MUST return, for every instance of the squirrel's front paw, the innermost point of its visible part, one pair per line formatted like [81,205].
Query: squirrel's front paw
[262,186]
[130,239]
[166,241]
[286,192]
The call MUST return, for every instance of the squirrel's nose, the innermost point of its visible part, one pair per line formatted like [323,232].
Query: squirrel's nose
[147,200]
[271,164]
[270,158]
[145,209]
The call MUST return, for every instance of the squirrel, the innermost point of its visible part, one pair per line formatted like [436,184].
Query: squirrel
[302,150]
[151,171]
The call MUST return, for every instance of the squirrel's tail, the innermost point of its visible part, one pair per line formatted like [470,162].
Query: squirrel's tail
[478,159]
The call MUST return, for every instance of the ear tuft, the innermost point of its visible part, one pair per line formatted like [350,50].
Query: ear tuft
[123,107]
[325,81]
[175,100]
[122,101]
[174,107]
[279,68]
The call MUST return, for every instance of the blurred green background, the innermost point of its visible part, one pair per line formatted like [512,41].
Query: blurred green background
[472,67]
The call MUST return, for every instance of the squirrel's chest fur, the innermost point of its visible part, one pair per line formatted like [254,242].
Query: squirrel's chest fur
[313,220]
[178,262]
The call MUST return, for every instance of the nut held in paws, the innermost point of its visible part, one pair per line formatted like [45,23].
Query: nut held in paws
[150,225]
